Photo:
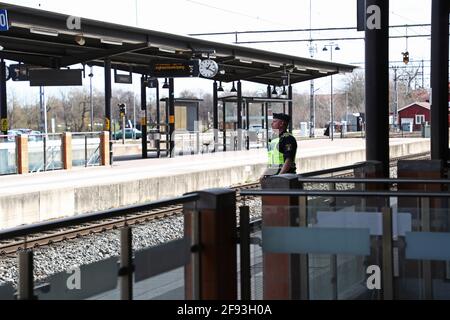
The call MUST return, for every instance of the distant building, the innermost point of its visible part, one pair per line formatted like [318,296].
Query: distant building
[411,117]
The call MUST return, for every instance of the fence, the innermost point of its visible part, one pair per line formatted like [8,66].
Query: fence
[20,154]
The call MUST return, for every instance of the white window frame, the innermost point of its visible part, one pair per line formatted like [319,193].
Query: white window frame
[420,116]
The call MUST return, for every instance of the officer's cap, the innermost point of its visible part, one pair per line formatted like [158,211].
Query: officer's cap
[282,116]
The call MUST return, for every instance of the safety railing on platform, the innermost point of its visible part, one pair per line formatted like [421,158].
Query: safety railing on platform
[365,245]
[86,149]
[145,266]
[44,152]
[8,158]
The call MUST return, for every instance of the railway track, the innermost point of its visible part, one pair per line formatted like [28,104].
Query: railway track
[44,239]
[48,238]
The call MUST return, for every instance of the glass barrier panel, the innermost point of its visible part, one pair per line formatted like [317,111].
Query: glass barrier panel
[78,269]
[161,254]
[53,152]
[421,252]
[85,150]
[8,164]
[8,277]
[36,153]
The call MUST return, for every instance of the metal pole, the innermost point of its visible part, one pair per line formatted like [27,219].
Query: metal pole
[216,117]
[290,108]
[388,264]
[45,152]
[3,99]
[126,264]
[244,227]
[377,88]
[144,118]
[172,115]
[396,98]
[108,95]
[91,102]
[158,121]
[85,151]
[439,80]
[224,115]
[26,279]
[195,245]
[332,105]
[239,115]
[123,129]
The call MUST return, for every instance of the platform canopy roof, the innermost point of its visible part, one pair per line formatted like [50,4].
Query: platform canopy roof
[43,38]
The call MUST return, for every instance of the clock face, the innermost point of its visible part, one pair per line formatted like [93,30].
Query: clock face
[208,68]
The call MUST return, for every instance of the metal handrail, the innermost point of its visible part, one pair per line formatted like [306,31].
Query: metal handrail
[304,193]
[84,133]
[24,231]
[333,170]
[375,181]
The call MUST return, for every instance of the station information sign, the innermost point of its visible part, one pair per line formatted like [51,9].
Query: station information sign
[4,24]
[170,69]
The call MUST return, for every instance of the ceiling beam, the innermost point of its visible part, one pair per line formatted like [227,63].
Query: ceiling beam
[88,56]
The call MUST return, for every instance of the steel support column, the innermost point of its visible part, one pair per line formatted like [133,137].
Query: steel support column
[269,95]
[439,80]
[108,117]
[171,115]
[158,121]
[144,118]
[239,114]
[290,105]
[3,100]
[377,86]
[224,115]
[216,117]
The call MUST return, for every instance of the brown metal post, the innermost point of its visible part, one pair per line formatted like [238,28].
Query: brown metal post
[67,150]
[282,277]
[104,148]
[216,248]
[22,154]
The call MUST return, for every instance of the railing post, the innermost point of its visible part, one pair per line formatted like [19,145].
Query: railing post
[45,151]
[285,275]
[67,150]
[104,148]
[26,279]
[244,245]
[22,154]
[388,264]
[126,264]
[216,246]
[85,151]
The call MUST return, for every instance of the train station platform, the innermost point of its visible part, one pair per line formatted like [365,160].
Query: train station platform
[33,198]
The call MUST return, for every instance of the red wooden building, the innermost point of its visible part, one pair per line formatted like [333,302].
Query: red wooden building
[414,115]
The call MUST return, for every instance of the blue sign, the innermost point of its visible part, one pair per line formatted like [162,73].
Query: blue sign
[4,25]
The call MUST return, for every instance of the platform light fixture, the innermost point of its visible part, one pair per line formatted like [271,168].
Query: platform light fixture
[220,89]
[80,40]
[284,93]
[111,42]
[166,84]
[45,32]
[274,91]
[233,89]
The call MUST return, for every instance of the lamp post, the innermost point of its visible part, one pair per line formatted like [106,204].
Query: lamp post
[332,46]
[91,103]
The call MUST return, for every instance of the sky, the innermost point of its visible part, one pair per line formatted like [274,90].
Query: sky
[206,16]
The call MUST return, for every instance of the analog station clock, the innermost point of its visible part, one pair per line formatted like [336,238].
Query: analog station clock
[208,68]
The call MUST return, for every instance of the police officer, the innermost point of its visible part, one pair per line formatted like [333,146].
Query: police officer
[282,149]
